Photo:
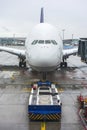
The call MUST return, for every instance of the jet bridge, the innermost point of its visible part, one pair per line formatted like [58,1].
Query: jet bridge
[82,49]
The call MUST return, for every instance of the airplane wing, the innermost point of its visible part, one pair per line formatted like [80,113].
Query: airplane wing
[68,52]
[17,52]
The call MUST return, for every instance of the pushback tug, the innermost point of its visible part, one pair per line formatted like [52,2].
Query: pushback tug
[44,102]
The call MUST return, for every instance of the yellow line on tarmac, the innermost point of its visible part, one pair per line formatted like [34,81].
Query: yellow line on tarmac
[12,77]
[60,90]
[26,89]
[43,126]
[28,83]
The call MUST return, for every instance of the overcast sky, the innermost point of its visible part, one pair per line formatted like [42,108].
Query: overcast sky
[18,17]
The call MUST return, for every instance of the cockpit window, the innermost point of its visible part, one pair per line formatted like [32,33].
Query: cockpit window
[54,42]
[34,42]
[44,42]
[41,41]
[47,41]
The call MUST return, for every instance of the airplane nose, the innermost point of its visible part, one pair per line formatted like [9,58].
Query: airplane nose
[45,58]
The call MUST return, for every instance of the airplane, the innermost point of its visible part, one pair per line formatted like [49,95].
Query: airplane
[43,49]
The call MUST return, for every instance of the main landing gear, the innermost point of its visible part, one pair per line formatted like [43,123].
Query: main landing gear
[63,64]
[22,62]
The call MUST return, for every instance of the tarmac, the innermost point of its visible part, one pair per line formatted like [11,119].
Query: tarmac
[15,86]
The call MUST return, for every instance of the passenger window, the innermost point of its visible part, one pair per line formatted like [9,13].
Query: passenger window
[34,42]
[41,41]
[47,41]
[54,42]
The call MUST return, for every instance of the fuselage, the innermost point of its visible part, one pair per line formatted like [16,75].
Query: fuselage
[44,48]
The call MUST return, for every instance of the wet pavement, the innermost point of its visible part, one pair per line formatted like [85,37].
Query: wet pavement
[14,94]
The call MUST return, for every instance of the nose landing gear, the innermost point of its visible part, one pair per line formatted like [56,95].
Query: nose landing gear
[44,75]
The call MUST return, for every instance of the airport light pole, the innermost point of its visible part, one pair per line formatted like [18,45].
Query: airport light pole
[63,34]
[13,38]
[72,36]
[72,39]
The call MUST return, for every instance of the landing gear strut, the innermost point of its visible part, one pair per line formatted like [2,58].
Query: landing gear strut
[63,64]
[22,62]
[44,75]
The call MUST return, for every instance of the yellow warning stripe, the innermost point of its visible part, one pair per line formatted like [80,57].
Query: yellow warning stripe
[58,116]
[32,116]
[52,116]
[47,117]
[37,116]
[40,117]
[55,116]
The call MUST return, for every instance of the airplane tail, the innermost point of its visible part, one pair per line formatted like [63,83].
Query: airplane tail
[42,16]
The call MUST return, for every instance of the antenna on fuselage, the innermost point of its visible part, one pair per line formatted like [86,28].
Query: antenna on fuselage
[42,16]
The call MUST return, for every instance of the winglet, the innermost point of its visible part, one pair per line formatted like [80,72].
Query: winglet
[42,16]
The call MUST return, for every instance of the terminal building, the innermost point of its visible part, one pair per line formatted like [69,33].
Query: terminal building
[71,42]
[4,41]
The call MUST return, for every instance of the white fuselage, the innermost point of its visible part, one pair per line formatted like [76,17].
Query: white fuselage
[44,48]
